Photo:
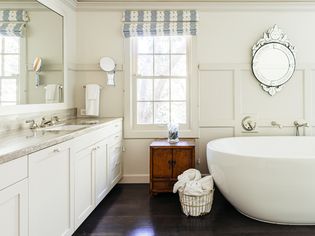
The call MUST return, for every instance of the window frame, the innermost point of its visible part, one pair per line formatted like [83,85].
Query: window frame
[134,130]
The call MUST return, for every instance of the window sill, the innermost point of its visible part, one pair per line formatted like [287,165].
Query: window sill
[152,134]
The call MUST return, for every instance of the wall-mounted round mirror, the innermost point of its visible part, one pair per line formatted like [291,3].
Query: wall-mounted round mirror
[273,60]
[107,64]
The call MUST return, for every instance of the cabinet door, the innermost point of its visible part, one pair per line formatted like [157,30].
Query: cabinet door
[183,159]
[101,173]
[49,192]
[115,167]
[84,187]
[14,210]
[161,163]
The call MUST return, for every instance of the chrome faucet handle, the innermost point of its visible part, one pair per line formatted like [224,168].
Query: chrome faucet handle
[33,124]
[248,123]
[297,124]
[55,119]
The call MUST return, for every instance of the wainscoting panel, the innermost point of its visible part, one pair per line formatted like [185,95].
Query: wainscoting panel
[287,104]
[216,97]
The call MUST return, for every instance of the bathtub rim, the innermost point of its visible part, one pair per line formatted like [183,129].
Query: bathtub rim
[210,145]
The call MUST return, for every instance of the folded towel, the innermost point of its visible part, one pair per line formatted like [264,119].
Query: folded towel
[92,99]
[52,93]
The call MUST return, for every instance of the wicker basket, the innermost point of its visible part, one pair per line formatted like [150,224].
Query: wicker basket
[196,205]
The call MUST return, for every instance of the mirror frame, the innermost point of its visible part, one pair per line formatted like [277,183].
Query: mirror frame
[273,38]
[60,8]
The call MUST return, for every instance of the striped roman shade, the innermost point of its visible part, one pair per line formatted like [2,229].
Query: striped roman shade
[159,22]
[12,22]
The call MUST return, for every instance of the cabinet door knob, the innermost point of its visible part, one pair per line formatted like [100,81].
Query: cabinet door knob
[170,164]
[173,163]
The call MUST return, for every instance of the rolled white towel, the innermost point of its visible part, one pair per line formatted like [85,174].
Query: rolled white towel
[192,174]
[186,176]
[193,188]
[180,184]
[206,183]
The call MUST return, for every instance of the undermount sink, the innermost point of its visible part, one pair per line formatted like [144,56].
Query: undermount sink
[66,127]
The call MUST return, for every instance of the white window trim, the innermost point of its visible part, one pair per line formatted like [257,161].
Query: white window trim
[192,129]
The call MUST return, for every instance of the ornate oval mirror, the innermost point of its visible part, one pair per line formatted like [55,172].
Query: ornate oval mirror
[273,61]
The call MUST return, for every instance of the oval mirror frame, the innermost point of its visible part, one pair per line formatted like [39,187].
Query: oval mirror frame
[273,60]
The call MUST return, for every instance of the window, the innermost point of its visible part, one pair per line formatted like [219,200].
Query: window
[161,71]
[9,69]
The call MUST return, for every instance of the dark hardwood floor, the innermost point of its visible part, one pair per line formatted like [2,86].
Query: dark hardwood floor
[129,210]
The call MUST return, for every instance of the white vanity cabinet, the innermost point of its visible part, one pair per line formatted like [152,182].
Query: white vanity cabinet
[114,159]
[14,198]
[96,168]
[50,192]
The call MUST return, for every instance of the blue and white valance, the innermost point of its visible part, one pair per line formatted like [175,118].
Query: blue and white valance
[159,23]
[13,22]
[14,15]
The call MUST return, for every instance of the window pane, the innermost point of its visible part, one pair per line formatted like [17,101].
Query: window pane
[144,112]
[11,44]
[161,45]
[178,44]
[11,65]
[178,112]
[161,89]
[8,90]
[145,44]
[145,65]
[179,65]
[144,90]
[161,112]
[161,65]
[178,89]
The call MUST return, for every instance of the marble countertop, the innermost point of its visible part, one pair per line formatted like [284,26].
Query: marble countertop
[18,143]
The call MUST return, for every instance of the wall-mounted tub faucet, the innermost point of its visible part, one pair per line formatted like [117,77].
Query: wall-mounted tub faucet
[248,123]
[298,125]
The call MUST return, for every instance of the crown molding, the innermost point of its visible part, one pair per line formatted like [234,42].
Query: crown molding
[71,3]
[263,5]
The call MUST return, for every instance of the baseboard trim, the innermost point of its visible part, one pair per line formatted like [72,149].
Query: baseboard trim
[135,179]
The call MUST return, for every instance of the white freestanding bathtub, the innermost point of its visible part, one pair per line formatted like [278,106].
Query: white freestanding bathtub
[271,179]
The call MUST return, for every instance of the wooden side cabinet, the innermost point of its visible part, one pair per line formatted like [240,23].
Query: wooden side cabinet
[167,161]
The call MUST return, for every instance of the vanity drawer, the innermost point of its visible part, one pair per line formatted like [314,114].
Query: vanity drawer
[116,138]
[116,127]
[13,171]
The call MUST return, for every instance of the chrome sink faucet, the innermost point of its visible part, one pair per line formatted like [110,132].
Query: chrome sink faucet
[298,125]
[33,125]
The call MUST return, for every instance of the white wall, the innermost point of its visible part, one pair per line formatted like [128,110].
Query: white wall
[227,89]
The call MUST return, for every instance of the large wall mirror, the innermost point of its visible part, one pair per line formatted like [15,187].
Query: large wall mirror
[31,54]
[273,60]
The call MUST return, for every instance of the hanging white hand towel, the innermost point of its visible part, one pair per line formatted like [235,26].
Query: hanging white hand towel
[92,99]
[52,93]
